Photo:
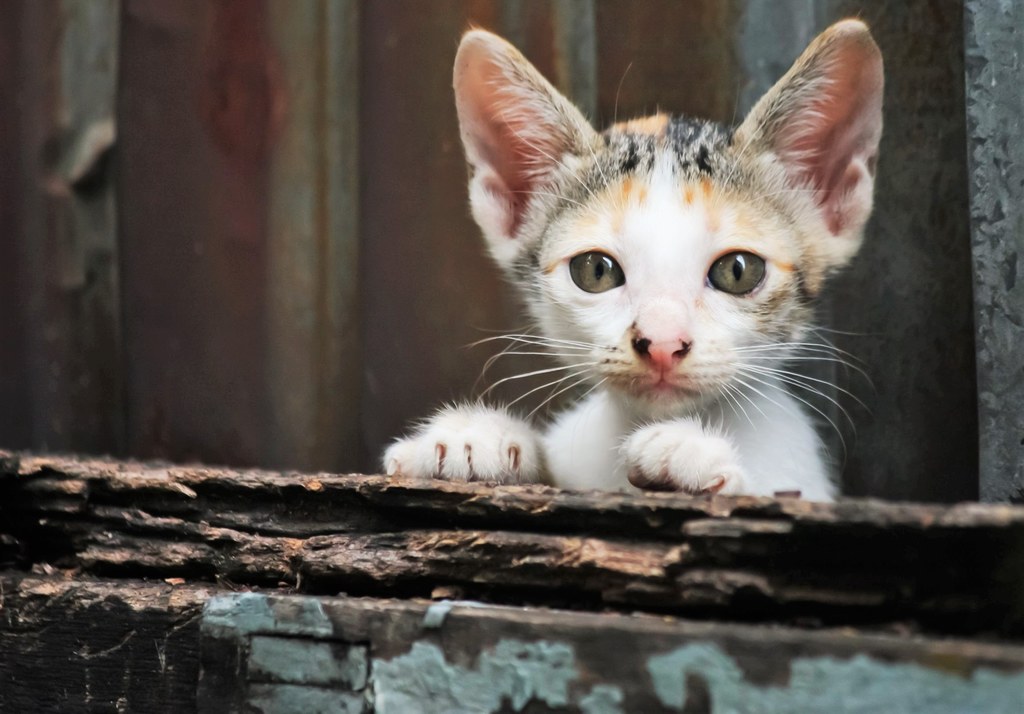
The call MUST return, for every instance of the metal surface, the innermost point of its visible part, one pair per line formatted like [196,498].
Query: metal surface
[196,106]
[666,55]
[903,307]
[313,371]
[994,43]
[907,296]
[299,272]
[64,305]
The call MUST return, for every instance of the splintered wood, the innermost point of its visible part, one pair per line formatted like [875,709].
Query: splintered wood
[946,569]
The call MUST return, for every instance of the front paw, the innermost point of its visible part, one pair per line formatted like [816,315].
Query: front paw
[682,456]
[468,443]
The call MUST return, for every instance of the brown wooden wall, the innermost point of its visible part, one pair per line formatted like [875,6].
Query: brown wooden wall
[236,230]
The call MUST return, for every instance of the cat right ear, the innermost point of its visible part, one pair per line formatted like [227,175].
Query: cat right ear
[823,121]
[516,129]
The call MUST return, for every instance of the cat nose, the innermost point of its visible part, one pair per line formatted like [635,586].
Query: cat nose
[662,354]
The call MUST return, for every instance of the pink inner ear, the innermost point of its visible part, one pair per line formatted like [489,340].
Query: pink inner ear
[512,129]
[831,142]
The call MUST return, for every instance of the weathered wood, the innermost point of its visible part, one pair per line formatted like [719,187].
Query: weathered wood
[394,657]
[944,569]
[88,646]
[131,646]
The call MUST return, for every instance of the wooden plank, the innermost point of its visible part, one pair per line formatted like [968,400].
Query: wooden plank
[994,45]
[943,569]
[83,644]
[387,657]
[91,646]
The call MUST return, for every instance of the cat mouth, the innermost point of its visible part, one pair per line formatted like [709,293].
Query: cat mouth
[662,387]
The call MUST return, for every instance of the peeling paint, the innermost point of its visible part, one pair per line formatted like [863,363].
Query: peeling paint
[242,614]
[858,684]
[438,612]
[303,661]
[422,680]
[295,699]
[603,699]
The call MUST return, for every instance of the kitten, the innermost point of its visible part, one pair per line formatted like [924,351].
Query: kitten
[671,263]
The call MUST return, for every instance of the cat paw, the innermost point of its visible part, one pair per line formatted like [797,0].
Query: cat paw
[681,456]
[468,443]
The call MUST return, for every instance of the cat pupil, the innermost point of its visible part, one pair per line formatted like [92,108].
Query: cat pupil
[599,269]
[737,268]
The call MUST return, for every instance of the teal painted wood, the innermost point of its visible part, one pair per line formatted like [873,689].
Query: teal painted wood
[994,47]
[449,657]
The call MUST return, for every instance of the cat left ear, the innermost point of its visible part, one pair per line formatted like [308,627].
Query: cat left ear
[516,129]
[823,121]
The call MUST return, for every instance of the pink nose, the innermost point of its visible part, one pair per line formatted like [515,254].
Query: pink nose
[663,354]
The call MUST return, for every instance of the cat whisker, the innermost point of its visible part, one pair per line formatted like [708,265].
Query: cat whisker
[538,340]
[553,383]
[551,397]
[801,345]
[847,367]
[591,390]
[730,393]
[845,333]
[536,373]
[751,402]
[618,90]
[800,399]
[510,351]
[558,162]
[552,194]
[805,355]
[795,377]
[786,350]
[816,392]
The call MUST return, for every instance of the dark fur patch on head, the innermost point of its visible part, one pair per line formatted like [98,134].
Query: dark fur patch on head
[528,266]
[632,158]
[700,146]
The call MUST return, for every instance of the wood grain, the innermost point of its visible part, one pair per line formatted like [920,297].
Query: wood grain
[941,569]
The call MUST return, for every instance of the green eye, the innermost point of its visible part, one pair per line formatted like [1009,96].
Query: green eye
[596,272]
[737,273]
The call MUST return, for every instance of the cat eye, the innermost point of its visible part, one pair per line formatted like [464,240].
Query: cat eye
[737,273]
[596,272]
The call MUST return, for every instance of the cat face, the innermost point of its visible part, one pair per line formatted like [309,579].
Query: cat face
[673,259]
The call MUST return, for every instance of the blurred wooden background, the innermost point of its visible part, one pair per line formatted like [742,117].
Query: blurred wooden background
[236,231]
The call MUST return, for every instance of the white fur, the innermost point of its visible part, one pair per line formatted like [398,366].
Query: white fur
[595,444]
[718,418]
[468,443]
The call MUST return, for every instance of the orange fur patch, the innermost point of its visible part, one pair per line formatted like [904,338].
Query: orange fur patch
[654,125]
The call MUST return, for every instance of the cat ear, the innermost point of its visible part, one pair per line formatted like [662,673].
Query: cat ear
[823,122]
[516,129]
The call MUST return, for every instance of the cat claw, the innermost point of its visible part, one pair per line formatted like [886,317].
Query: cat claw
[468,443]
[681,456]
